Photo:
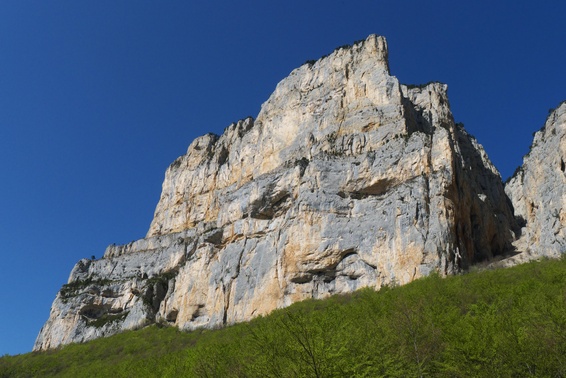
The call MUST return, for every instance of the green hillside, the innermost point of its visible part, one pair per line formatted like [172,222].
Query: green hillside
[493,323]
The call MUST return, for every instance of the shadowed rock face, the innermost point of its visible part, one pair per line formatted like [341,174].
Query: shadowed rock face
[345,179]
[538,191]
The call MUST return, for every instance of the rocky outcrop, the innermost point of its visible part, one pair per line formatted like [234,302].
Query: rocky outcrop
[346,179]
[538,191]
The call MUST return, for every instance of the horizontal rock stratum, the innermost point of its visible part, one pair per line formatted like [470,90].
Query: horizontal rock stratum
[346,179]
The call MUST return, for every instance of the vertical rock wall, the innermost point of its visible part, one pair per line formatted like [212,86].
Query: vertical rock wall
[538,190]
[346,179]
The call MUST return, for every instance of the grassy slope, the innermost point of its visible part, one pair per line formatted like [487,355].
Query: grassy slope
[507,322]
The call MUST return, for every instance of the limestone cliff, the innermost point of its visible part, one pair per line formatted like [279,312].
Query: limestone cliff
[538,191]
[345,179]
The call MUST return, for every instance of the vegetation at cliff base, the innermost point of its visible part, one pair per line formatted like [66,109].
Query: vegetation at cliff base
[492,323]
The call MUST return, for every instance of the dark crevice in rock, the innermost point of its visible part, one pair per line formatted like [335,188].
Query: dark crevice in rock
[302,163]
[171,316]
[378,188]
[324,274]
[226,302]
[93,312]
[301,278]
[265,214]
[482,207]
[214,237]
[99,315]
[416,119]
[108,293]
[156,289]
[197,313]
[154,295]
[270,207]
[222,156]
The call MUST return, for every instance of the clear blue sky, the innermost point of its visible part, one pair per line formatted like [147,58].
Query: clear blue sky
[97,98]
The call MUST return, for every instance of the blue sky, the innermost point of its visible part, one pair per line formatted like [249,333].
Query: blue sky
[97,98]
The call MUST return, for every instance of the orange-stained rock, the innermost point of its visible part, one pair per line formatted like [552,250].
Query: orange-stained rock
[346,179]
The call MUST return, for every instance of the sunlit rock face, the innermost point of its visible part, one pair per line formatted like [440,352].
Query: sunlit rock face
[538,191]
[346,179]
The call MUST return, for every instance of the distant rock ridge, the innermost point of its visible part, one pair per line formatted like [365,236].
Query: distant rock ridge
[346,179]
[538,191]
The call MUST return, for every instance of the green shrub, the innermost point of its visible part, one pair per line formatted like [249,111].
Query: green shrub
[505,322]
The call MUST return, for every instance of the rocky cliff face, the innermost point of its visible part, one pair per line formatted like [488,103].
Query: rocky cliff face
[538,191]
[345,179]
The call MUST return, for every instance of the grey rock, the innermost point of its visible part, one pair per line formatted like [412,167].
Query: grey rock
[346,179]
[538,191]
